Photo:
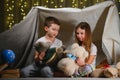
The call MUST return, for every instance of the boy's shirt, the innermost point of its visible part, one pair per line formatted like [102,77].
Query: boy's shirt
[56,43]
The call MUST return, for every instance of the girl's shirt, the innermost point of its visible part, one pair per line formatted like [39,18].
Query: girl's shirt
[93,52]
[56,43]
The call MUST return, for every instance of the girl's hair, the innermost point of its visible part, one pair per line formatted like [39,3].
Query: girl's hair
[51,20]
[88,35]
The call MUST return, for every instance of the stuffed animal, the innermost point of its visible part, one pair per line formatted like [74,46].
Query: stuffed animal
[68,64]
[118,67]
[52,55]
[42,46]
[111,71]
[98,73]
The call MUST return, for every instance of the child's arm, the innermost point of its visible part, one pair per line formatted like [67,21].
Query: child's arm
[36,55]
[90,59]
[39,56]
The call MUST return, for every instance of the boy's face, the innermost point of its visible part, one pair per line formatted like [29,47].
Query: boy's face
[53,30]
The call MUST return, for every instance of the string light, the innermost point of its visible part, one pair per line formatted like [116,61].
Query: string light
[56,6]
[61,6]
[61,1]
[46,1]
[97,1]
[21,6]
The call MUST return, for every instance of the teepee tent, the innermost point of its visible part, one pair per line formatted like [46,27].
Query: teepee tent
[103,19]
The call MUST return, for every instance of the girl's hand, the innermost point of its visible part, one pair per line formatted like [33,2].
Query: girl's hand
[80,62]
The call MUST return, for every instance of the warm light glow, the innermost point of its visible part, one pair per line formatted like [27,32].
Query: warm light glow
[46,1]
[15,10]
[60,6]
[52,2]
[61,0]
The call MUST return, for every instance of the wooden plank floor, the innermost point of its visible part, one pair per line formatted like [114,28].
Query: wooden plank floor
[59,78]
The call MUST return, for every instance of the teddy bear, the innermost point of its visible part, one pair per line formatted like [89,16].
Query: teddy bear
[118,68]
[52,55]
[68,64]
[111,71]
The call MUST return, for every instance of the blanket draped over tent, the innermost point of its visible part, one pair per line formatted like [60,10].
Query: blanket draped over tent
[103,19]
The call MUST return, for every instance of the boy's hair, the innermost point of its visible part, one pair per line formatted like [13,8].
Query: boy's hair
[51,20]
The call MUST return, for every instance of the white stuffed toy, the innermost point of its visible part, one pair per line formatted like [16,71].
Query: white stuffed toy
[67,64]
[108,71]
[118,67]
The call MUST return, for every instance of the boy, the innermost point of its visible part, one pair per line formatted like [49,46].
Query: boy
[51,26]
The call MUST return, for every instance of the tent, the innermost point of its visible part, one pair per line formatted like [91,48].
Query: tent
[103,19]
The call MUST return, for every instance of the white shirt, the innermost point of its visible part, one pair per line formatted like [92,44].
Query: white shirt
[93,52]
[56,43]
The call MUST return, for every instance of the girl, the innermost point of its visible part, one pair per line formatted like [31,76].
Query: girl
[83,37]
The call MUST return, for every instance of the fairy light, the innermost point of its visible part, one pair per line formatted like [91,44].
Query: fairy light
[9,12]
[81,3]
[61,6]
[46,1]
[56,6]
[97,1]
[61,3]
[75,3]
[7,4]
[84,6]
[22,5]
[35,3]
[61,0]
[45,6]
[52,2]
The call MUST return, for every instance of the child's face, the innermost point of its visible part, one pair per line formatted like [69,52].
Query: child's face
[80,34]
[53,30]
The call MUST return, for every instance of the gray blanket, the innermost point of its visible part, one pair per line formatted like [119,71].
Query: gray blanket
[103,19]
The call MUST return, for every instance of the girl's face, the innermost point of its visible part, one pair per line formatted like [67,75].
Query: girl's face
[53,30]
[80,34]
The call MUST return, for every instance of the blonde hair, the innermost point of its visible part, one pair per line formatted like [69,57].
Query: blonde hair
[88,35]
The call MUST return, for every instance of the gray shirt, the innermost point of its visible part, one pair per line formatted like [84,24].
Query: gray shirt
[56,43]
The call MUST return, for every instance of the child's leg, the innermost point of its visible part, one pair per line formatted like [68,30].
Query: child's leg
[86,70]
[46,72]
[29,71]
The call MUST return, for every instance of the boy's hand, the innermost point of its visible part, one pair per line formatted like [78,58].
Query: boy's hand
[36,55]
[39,56]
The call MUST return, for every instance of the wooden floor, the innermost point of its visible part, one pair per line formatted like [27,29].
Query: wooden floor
[59,79]
[65,78]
